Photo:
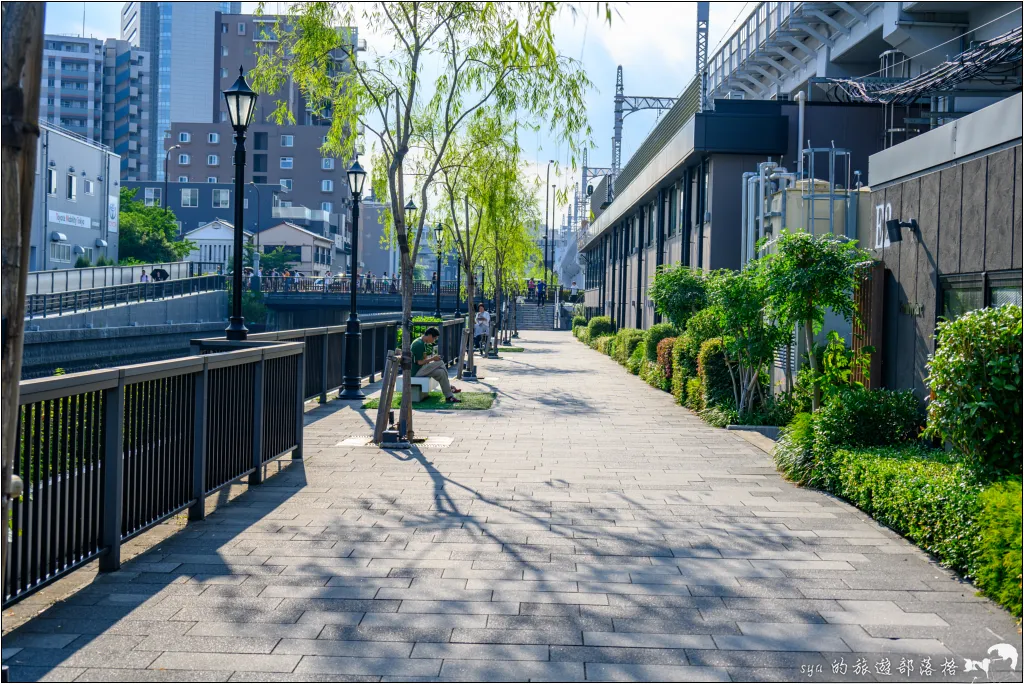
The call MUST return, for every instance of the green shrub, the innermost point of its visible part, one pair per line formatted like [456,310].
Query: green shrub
[603,344]
[665,357]
[682,368]
[583,335]
[714,374]
[998,561]
[865,418]
[975,379]
[576,330]
[600,325]
[579,321]
[922,494]
[653,375]
[636,359]
[678,293]
[694,394]
[794,452]
[655,335]
[717,415]
[82,262]
[703,326]
[626,341]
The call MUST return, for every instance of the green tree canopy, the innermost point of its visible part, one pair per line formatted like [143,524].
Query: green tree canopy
[148,235]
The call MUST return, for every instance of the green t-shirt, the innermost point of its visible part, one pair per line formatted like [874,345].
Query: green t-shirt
[419,350]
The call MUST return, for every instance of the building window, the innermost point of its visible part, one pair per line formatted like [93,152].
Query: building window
[286,183]
[153,197]
[183,179]
[964,292]
[51,182]
[89,185]
[212,160]
[224,51]
[241,29]
[190,197]
[184,137]
[221,199]
[223,28]
[213,138]
[326,206]
[327,163]
[72,193]
[287,141]
[184,159]
[287,162]
[327,185]
[259,179]
[223,72]
[223,116]
[60,251]
[211,179]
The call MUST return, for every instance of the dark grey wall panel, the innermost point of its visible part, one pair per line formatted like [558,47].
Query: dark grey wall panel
[927,278]
[894,296]
[906,317]
[999,211]
[950,185]
[972,217]
[1018,228]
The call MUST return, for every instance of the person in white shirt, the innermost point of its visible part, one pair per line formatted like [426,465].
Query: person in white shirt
[144,278]
[481,326]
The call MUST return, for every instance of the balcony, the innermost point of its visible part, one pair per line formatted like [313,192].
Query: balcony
[300,213]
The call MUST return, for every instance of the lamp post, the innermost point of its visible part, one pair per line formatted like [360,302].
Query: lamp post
[550,255]
[241,102]
[438,234]
[353,382]
[546,192]
[167,156]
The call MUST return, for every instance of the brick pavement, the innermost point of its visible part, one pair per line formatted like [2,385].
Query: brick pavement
[584,528]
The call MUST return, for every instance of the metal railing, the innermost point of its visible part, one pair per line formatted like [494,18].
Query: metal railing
[59,303]
[67,280]
[105,455]
[342,285]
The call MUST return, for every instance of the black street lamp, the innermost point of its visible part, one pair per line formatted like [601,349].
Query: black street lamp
[352,388]
[167,155]
[458,284]
[438,234]
[241,102]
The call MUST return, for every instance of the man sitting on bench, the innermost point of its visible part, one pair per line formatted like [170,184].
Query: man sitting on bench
[432,366]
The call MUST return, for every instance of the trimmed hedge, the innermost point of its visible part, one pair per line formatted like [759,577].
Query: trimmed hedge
[603,344]
[584,335]
[998,563]
[714,374]
[665,357]
[655,335]
[694,394]
[600,325]
[683,368]
[636,359]
[626,341]
[579,320]
[865,418]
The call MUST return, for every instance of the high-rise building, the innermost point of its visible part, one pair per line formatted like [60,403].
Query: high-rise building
[180,37]
[127,107]
[71,92]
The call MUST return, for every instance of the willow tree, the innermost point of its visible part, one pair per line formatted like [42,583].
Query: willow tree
[479,54]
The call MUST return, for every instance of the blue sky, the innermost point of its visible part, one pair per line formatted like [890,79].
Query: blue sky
[653,41]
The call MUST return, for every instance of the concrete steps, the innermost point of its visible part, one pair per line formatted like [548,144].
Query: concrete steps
[532,317]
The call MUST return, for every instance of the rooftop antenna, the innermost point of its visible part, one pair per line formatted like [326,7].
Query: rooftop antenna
[83,18]
[703,10]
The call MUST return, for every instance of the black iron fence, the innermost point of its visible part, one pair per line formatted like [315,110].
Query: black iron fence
[107,454]
[58,303]
[342,285]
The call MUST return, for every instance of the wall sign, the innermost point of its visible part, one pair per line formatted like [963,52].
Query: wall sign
[66,219]
[883,213]
[113,212]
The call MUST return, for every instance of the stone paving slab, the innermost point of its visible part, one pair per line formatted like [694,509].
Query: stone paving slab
[584,528]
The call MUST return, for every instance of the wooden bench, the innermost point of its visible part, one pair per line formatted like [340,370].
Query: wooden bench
[422,386]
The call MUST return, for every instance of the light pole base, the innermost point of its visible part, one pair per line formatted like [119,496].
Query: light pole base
[236,329]
[351,394]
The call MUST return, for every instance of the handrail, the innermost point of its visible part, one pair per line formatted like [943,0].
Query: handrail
[342,285]
[73,301]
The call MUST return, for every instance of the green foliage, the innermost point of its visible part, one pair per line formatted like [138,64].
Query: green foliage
[718,415]
[471,401]
[578,320]
[922,494]
[714,375]
[278,259]
[807,275]
[105,261]
[253,308]
[636,359]
[694,394]
[998,561]
[794,452]
[655,335]
[867,418]
[626,341]
[838,363]
[665,357]
[82,262]
[599,326]
[652,373]
[603,344]
[703,326]
[678,293]
[129,261]
[683,368]
[148,235]
[975,378]
[582,334]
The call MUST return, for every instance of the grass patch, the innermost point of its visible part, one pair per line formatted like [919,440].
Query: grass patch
[510,349]
[471,401]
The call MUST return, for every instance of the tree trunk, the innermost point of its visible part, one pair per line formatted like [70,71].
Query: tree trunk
[813,360]
[22,74]
[405,410]
[470,318]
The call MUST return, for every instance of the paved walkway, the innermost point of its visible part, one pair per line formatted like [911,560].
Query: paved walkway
[586,527]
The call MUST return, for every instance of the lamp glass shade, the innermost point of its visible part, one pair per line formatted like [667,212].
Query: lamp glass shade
[241,102]
[356,178]
[410,206]
[438,232]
